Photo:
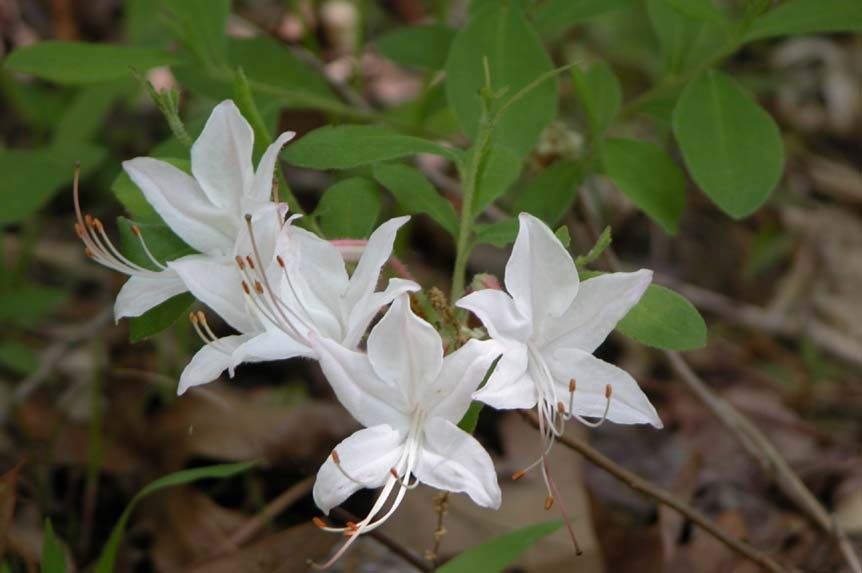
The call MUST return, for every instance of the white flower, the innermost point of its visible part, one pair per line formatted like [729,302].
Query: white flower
[286,283]
[204,209]
[410,400]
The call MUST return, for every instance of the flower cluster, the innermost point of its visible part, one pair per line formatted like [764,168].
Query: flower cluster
[288,293]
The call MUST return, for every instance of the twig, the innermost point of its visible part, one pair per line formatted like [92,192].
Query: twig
[441,505]
[395,547]
[52,356]
[846,548]
[662,496]
[286,499]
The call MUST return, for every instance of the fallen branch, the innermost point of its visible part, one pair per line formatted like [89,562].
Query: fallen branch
[286,499]
[662,496]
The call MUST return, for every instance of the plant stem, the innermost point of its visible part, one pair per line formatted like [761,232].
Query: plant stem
[662,496]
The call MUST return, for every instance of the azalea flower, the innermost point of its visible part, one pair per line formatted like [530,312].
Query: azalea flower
[205,209]
[285,284]
[548,325]
[410,399]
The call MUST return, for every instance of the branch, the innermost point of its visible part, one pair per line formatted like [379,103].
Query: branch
[286,499]
[662,496]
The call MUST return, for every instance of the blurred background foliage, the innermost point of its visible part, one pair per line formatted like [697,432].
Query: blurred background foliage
[720,140]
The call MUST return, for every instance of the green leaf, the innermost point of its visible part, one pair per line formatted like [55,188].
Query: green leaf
[79,63]
[160,317]
[28,305]
[273,70]
[649,177]
[498,234]
[201,24]
[495,555]
[53,554]
[133,199]
[664,319]
[516,57]
[347,146]
[553,17]
[422,47]
[18,358]
[731,146]
[501,168]
[349,209]
[686,42]
[797,17]
[600,93]
[415,194]
[32,177]
[109,552]
[550,195]
[83,117]
[698,10]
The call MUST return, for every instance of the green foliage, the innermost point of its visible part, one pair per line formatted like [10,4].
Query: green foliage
[550,195]
[664,319]
[649,177]
[600,94]
[159,317]
[32,177]
[698,10]
[75,63]
[26,306]
[421,47]
[553,17]
[416,195]
[349,209]
[686,41]
[501,168]
[794,17]
[346,146]
[200,24]
[498,234]
[731,146]
[516,57]
[18,358]
[106,560]
[603,241]
[53,554]
[495,555]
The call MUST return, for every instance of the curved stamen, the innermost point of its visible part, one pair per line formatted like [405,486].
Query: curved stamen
[136,231]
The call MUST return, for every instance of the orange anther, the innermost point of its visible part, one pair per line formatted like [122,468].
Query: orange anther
[549,502]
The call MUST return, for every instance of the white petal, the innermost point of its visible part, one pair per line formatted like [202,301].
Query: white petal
[367,456]
[540,275]
[601,303]
[377,252]
[404,350]
[499,314]
[209,362]
[140,294]
[364,310]
[261,188]
[629,404]
[217,283]
[181,203]
[510,386]
[368,398]
[450,395]
[317,279]
[270,345]
[221,156]
[453,460]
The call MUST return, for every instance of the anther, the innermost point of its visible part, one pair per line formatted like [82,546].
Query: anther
[89,253]
[202,318]
[89,220]
[97,224]
[136,231]
[572,385]
[335,457]
[79,230]
[561,408]
[319,522]
[193,318]
[608,391]
[258,288]
[549,502]
[518,475]
[250,262]
[246,288]
[280,261]
[239,262]
[248,217]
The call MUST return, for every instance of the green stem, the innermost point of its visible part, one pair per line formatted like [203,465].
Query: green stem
[470,181]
